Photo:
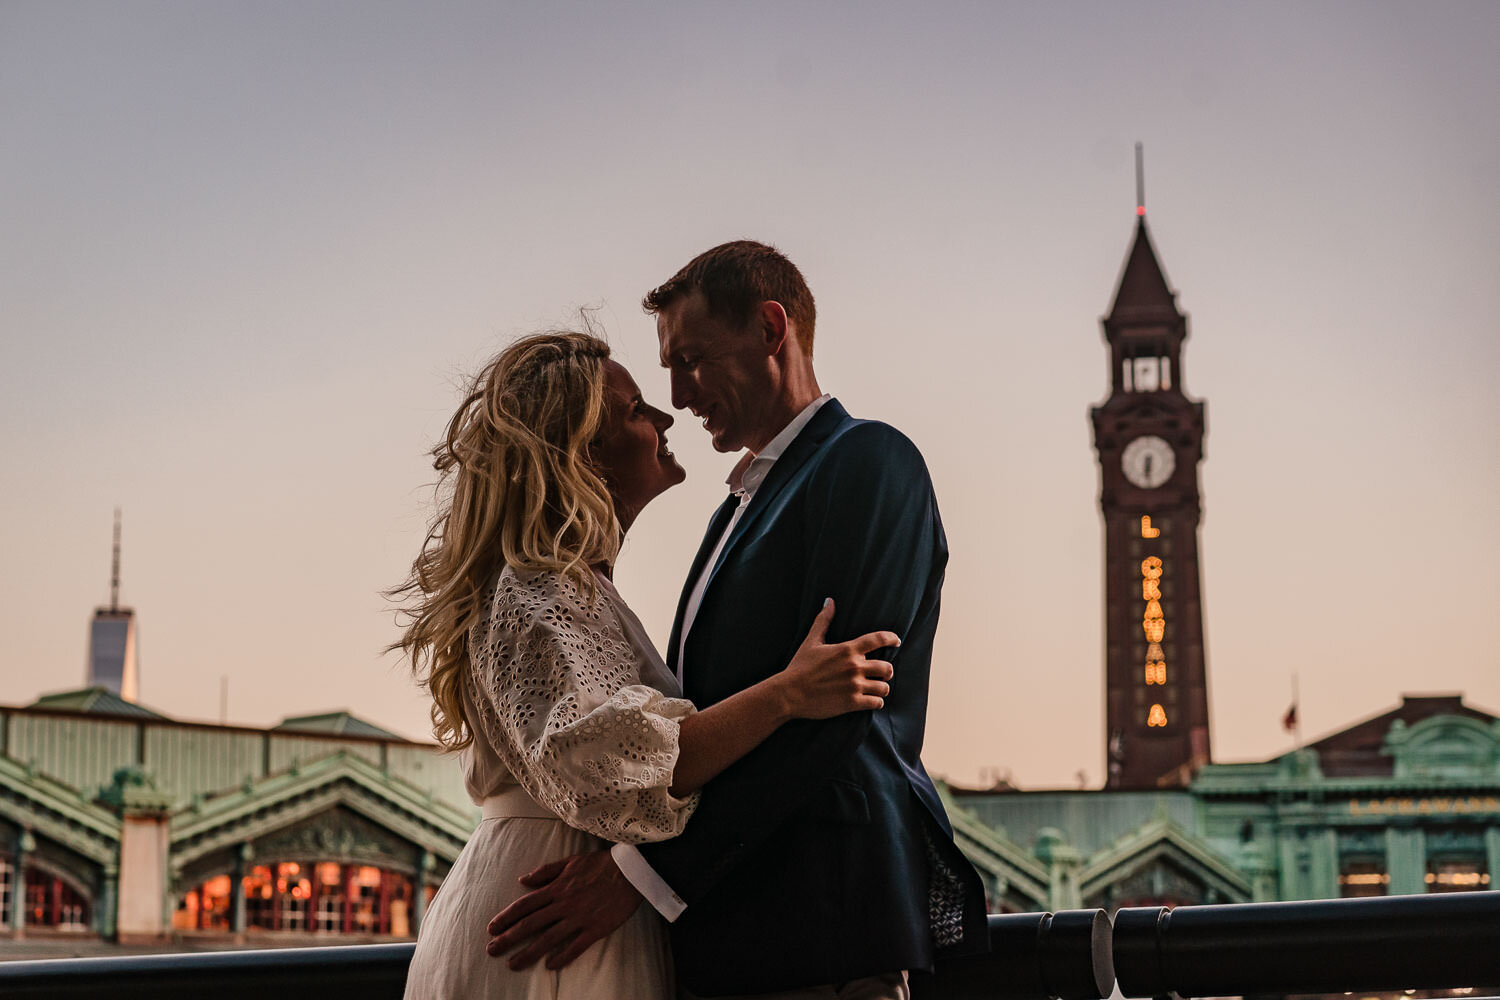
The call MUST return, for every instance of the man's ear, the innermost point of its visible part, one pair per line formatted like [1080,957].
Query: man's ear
[773,325]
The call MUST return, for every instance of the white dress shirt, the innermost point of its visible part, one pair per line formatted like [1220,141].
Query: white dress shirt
[632,865]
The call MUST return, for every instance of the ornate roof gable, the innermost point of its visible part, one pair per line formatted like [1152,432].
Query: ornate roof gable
[261,808]
[53,810]
[1445,746]
[1162,840]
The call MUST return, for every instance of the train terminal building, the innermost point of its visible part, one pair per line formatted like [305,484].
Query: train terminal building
[119,823]
[1405,802]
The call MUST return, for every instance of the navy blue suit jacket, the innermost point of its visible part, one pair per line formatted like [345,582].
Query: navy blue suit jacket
[810,860]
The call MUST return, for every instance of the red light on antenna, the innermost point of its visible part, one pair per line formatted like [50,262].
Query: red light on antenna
[1140,210]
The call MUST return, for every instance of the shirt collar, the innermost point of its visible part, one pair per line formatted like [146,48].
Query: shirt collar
[752,469]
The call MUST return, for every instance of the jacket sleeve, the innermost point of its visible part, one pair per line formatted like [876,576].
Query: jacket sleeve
[873,540]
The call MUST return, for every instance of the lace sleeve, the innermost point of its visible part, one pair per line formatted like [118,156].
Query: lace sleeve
[560,698]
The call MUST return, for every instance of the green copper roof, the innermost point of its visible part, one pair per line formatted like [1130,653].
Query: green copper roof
[335,723]
[95,701]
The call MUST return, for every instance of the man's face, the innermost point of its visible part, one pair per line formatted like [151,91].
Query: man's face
[722,373]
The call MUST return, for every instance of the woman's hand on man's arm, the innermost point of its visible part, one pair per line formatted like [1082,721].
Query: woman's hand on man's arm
[823,680]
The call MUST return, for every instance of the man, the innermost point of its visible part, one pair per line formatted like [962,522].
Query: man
[823,858]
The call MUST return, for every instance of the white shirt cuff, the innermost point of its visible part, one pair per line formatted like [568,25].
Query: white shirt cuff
[649,884]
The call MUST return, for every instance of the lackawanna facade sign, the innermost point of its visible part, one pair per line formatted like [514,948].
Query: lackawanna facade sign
[1391,806]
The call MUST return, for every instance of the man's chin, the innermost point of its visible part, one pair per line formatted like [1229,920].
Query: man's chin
[723,441]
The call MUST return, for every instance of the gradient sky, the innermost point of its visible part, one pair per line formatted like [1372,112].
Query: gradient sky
[247,249]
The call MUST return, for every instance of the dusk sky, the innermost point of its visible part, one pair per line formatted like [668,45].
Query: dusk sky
[249,250]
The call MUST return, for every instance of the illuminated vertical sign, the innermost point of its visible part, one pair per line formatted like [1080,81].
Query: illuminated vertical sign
[1154,625]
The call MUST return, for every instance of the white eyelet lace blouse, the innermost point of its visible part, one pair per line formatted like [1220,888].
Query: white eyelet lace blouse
[569,699]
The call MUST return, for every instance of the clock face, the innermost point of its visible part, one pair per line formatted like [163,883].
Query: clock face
[1148,461]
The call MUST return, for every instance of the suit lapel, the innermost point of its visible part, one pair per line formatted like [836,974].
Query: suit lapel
[716,526]
[828,419]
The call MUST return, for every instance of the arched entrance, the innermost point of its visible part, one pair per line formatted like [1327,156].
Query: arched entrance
[48,897]
[305,895]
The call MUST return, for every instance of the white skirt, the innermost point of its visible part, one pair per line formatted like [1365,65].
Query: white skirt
[451,962]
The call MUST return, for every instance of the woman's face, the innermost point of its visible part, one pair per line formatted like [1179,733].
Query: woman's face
[631,451]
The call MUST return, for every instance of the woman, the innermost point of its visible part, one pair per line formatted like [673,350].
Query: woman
[572,729]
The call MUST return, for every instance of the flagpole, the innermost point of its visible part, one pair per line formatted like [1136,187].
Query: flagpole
[1296,715]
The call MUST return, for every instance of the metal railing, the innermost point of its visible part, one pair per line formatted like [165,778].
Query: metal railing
[1440,941]
[374,971]
[1033,956]
[1431,942]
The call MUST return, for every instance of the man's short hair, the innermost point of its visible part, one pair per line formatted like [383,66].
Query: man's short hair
[735,278]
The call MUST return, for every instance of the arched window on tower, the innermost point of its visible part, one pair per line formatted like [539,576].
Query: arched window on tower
[1149,374]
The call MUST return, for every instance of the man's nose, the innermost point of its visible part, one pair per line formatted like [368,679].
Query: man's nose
[681,391]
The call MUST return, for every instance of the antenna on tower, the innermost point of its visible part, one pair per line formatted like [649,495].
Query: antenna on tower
[1140,181]
[114,575]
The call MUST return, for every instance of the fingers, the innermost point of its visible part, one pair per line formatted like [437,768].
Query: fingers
[550,940]
[529,903]
[546,873]
[819,630]
[872,688]
[518,932]
[871,641]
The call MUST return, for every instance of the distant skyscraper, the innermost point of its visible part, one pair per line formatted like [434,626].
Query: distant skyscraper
[112,639]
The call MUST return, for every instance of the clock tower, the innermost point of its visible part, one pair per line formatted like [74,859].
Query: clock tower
[1149,437]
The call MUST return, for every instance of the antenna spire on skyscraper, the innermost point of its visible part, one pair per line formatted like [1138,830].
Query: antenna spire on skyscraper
[114,573]
[1140,181]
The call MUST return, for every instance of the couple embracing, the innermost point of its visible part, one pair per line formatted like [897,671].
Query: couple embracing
[756,796]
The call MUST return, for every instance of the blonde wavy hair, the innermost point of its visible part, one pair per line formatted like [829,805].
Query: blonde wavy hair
[516,486]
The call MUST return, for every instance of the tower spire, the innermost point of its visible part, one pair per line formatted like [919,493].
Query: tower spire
[1140,181]
[114,572]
